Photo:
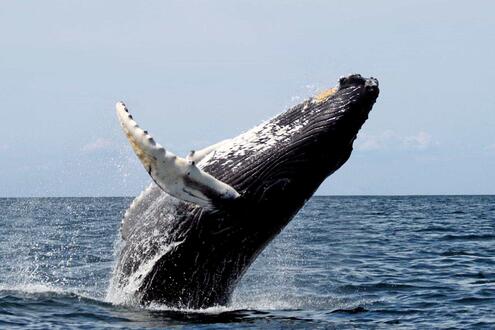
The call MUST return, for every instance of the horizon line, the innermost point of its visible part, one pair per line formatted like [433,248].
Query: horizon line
[319,195]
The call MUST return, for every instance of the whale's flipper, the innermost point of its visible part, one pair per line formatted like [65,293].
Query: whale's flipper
[177,176]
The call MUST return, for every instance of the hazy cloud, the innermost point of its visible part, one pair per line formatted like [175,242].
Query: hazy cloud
[99,144]
[422,140]
[390,140]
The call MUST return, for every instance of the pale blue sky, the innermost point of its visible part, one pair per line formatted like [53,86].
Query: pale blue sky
[197,72]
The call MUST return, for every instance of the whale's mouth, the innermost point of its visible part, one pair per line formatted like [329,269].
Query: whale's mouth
[356,79]
[342,110]
[365,90]
[369,87]
[348,108]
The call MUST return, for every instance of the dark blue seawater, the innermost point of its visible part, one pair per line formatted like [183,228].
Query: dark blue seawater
[343,262]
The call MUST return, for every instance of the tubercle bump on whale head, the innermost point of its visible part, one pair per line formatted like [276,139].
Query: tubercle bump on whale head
[371,84]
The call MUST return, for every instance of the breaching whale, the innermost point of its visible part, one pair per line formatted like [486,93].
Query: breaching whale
[191,235]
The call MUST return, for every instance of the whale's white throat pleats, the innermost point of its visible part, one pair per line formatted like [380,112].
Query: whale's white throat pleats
[177,176]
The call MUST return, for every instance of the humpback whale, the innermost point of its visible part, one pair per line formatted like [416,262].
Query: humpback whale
[191,235]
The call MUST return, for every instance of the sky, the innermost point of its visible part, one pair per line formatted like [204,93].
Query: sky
[196,72]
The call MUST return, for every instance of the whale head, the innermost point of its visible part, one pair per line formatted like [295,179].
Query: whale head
[283,161]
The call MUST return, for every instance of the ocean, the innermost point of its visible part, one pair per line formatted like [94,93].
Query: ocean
[343,262]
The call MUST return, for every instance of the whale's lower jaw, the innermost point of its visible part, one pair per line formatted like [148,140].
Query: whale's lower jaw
[181,255]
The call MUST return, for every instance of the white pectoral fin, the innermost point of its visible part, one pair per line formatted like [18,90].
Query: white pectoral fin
[175,175]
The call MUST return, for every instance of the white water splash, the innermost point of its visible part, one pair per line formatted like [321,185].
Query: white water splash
[126,295]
